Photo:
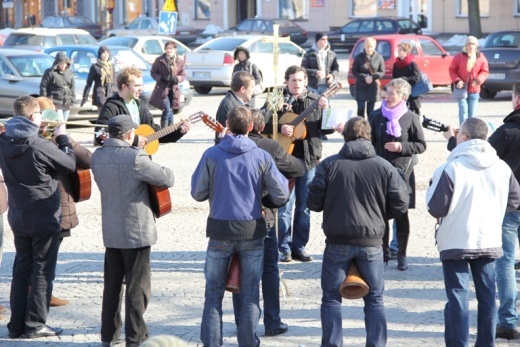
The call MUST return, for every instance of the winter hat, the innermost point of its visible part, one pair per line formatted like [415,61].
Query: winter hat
[319,36]
[472,39]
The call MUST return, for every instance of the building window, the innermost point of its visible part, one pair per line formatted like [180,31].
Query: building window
[202,9]
[463,8]
[517,7]
[363,8]
[294,9]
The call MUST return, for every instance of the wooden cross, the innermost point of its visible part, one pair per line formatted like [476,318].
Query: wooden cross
[274,97]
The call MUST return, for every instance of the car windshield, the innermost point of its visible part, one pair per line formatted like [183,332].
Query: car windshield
[508,39]
[23,40]
[31,65]
[128,57]
[224,44]
[119,41]
[86,40]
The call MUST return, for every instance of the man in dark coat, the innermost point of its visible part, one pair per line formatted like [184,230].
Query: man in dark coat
[358,192]
[321,64]
[58,85]
[126,101]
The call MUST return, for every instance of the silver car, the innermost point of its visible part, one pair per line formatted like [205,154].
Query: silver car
[211,64]
[20,74]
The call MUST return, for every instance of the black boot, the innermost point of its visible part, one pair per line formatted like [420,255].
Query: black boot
[403,234]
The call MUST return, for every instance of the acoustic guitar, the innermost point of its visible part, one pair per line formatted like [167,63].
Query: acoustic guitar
[152,146]
[297,121]
[81,184]
[160,200]
[213,124]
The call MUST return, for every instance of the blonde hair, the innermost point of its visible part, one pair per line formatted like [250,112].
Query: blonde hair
[368,40]
[45,103]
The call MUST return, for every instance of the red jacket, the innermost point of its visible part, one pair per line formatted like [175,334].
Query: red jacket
[479,72]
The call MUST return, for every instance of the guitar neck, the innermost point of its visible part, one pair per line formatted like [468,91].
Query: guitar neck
[305,113]
[164,131]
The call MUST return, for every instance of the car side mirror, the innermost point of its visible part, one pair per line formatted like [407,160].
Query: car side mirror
[11,78]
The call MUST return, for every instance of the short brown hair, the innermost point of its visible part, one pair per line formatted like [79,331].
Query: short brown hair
[25,106]
[258,120]
[45,103]
[123,77]
[239,120]
[357,128]
[291,70]
[405,46]
[240,79]
[170,43]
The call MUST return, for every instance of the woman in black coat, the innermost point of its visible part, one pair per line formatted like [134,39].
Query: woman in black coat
[368,68]
[397,135]
[168,70]
[102,75]
[58,85]
[407,69]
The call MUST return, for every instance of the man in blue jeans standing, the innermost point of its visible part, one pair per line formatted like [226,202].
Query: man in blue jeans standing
[358,192]
[506,141]
[237,177]
[469,195]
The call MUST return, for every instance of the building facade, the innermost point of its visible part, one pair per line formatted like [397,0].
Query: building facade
[435,16]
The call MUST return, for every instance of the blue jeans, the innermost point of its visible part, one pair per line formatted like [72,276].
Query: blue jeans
[394,244]
[218,257]
[468,107]
[64,115]
[167,113]
[270,284]
[456,316]
[505,271]
[336,262]
[302,217]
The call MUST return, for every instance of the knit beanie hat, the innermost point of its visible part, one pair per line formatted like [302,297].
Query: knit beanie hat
[319,36]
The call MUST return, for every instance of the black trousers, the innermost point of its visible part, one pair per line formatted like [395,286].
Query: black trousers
[34,265]
[133,265]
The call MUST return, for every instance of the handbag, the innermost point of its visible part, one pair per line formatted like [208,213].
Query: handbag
[460,93]
[423,86]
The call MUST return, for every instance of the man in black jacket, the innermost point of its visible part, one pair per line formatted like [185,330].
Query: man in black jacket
[31,165]
[321,64]
[358,193]
[126,101]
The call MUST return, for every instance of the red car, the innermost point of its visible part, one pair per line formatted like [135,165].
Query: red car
[430,56]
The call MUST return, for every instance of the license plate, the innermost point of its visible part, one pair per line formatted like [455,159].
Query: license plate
[497,76]
[201,74]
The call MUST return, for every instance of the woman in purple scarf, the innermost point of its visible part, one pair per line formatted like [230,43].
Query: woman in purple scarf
[397,136]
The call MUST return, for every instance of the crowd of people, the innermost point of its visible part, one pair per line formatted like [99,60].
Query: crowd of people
[250,180]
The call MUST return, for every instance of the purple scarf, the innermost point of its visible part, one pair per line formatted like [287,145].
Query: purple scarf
[393,115]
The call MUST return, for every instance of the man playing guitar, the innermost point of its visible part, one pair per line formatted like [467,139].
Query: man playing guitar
[307,149]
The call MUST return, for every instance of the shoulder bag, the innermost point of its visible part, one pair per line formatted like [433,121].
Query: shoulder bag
[423,86]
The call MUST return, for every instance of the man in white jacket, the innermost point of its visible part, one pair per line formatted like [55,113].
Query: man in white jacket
[469,195]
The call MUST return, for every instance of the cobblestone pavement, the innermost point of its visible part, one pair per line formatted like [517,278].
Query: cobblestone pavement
[414,299]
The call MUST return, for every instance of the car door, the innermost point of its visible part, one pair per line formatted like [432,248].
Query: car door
[436,62]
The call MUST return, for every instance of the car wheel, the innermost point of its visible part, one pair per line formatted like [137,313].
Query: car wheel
[202,89]
[486,93]
[352,89]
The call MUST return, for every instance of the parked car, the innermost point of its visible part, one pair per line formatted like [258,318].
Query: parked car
[150,26]
[20,74]
[502,50]
[346,36]
[149,47]
[78,22]
[40,38]
[430,56]
[82,58]
[263,26]
[211,64]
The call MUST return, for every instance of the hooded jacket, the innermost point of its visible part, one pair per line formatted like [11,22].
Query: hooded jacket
[31,165]
[358,192]
[312,63]
[59,85]
[237,177]
[246,65]
[470,194]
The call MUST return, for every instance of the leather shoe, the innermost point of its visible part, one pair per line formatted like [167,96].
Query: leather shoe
[280,330]
[505,333]
[302,256]
[58,302]
[46,331]
[402,262]
[285,257]
[13,335]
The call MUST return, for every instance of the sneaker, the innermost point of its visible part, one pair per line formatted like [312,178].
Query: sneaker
[508,334]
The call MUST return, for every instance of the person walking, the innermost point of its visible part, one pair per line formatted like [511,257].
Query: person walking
[321,64]
[397,136]
[469,195]
[406,68]
[246,179]
[469,69]
[506,141]
[31,165]
[168,70]
[123,174]
[243,63]
[368,67]
[102,75]
[354,222]
[58,84]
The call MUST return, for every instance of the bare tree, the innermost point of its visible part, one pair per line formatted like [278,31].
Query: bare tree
[475,27]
